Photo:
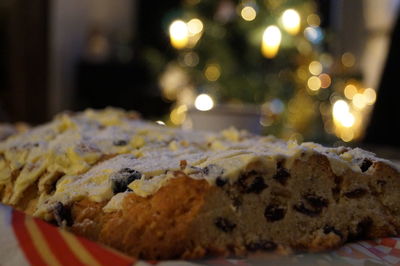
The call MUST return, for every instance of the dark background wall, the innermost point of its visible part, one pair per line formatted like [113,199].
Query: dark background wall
[23,61]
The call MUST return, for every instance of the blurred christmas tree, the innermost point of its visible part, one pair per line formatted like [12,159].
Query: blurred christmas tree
[269,53]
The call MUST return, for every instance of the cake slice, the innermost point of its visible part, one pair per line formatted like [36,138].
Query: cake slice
[155,192]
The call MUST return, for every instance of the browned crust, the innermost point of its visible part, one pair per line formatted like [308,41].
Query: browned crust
[153,227]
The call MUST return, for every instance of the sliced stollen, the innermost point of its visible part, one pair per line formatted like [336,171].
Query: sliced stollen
[160,193]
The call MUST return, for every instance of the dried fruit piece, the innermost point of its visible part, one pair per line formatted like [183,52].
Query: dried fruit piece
[120,142]
[274,213]
[62,214]
[212,170]
[252,182]
[264,245]
[123,178]
[362,229]
[337,188]
[236,202]
[183,164]
[300,207]
[220,181]
[366,163]
[224,224]
[257,185]
[316,201]
[356,193]
[312,206]
[328,229]
[282,173]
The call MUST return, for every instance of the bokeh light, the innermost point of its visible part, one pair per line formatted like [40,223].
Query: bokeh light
[178,115]
[349,91]
[179,34]
[347,135]
[195,26]
[190,59]
[359,100]
[313,20]
[271,40]
[212,72]
[314,83]
[326,60]
[315,68]
[248,13]
[342,115]
[276,106]
[348,59]
[204,102]
[325,80]
[340,108]
[370,96]
[313,34]
[348,120]
[291,21]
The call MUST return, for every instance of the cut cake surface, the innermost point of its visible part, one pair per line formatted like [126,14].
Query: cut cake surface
[160,193]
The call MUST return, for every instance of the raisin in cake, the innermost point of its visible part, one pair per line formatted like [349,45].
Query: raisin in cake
[156,192]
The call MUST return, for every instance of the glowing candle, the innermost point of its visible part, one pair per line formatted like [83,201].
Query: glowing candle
[271,41]
[179,34]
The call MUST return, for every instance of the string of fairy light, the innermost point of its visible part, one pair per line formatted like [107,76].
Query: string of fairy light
[349,104]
